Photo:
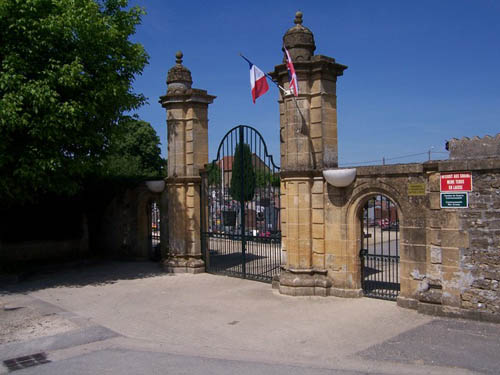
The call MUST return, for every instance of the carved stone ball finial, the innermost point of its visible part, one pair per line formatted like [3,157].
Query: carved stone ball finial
[179,77]
[298,18]
[299,40]
[179,56]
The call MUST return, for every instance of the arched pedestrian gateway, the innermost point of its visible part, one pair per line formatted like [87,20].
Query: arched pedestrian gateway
[379,254]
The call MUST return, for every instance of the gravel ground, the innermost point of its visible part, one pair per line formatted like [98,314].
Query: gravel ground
[21,323]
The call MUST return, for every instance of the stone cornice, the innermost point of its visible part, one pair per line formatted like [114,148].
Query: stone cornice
[469,165]
[183,180]
[290,174]
[318,63]
[187,96]
[429,167]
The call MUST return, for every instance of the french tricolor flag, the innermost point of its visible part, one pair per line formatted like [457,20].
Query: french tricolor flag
[258,81]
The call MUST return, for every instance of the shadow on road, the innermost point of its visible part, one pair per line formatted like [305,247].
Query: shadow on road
[83,274]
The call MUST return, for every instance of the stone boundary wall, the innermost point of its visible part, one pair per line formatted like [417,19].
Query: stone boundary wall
[450,258]
[120,231]
[474,148]
[44,250]
[123,230]
[31,248]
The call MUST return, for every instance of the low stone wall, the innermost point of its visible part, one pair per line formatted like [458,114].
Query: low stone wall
[481,259]
[449,257]
[43,250]
[124,227]
[474,148]
[55,229]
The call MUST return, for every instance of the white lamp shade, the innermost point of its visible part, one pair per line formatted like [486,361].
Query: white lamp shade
[340,177]
[156,186]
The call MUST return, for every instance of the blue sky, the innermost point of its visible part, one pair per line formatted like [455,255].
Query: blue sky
[420,72]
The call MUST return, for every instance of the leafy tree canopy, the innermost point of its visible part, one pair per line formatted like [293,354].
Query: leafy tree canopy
[66,70]
[243,175]
[134,151]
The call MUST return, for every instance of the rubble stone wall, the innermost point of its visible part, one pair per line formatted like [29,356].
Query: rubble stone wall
[482,258]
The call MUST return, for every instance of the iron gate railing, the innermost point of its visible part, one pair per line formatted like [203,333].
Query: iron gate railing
[241,234]
[154,230]
[380,252]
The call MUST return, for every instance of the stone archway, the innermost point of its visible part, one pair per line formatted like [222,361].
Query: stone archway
[368,271]
[379,251]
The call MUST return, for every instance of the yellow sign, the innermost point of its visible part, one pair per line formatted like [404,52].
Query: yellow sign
[416,189]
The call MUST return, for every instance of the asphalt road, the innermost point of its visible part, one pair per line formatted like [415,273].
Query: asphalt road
[130,318]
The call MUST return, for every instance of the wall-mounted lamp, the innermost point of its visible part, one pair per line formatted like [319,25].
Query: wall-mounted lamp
[340,177]
[156,186]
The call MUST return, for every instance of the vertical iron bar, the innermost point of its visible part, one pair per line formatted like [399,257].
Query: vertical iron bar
[396,274]
[389,268]
[242,206]
[364,246]
[384,248]
[202,221]
[375,232]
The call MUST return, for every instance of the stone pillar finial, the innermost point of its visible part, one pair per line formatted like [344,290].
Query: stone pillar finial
[298,18]
[179,56]
[179,77]
[299,40]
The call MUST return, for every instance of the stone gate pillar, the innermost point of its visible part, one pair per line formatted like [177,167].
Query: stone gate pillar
[308,132]
[187,124]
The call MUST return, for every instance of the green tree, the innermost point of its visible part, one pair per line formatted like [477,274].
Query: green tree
[134,151]
[243,175]
[266,178]
[214,174]
[66,70]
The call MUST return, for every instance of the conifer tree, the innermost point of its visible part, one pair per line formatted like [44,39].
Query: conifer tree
[243,175]
[214,174]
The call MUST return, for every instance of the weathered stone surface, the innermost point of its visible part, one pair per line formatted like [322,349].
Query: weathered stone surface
[187,124]
[482,257]
[449,258]
[413,253]
[475,148]
[302,283]
[431,296]
[436,254]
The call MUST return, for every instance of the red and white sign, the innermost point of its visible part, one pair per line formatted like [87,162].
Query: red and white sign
[461,181]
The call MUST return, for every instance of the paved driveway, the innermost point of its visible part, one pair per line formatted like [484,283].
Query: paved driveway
[130,318]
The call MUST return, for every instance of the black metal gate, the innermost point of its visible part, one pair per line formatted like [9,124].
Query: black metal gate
[241,234]
[154,230]
[380,249]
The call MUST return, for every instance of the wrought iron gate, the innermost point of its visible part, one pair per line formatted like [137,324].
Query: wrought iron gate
[241,234]
[380,249]
[154,230]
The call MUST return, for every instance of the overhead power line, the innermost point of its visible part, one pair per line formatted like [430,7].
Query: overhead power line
[384,159]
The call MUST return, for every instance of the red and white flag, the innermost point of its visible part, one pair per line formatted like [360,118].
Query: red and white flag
[294,85]
[258,81]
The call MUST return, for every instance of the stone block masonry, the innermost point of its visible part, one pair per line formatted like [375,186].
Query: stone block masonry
[481,259]
[449,257]
[187,124]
